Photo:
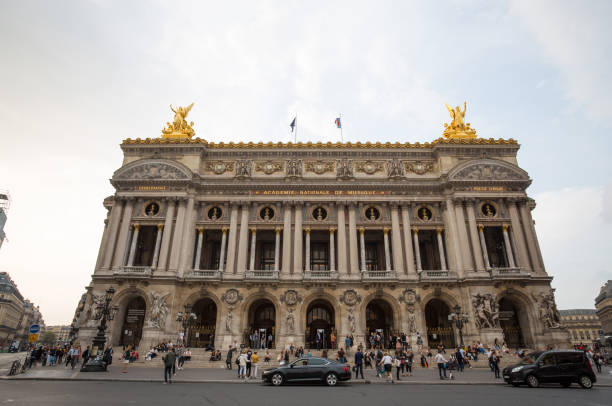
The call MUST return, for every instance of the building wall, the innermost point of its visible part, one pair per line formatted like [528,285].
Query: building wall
[583,325]
[603,304]
[452,179]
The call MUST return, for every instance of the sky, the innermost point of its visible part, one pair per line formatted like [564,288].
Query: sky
[78,77]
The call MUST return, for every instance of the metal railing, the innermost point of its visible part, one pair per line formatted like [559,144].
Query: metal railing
[261,275]
[318,275]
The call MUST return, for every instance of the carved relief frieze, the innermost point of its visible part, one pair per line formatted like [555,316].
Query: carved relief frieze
[153,170]
[269,167]
[395,170]
[319,167]
[291,297]
[231,297]
[344,169]
[418,167]
[243,168]
[293,168]
[369,167]
[219,167]
[350,297]
[487,172]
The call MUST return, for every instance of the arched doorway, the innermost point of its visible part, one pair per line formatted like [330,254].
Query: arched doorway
[379,322]
[319,324]
[511,318]
[261,329]
[439,328]
[131,330]
[202,332]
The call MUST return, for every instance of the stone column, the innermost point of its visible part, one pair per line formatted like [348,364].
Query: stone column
[408,247]
[253,246]
[519,237]
[307,249]
[286,268]
[158,238]
[396,241]
[297,243]
[353,256]
[167,237]
[198,256]
[124,260]
[362,248]
[223,244]
[508,246]
[133,245]
[177,239]
[452,238]
[332,250]
[113,227]
[530,236]
[466,256]
[483,244]
[387,253]
[188,242]
[277,231]
[476,248]
[417,251]
[342,258]
[124,230]
[243,239]
[103,243]
[441,249]
[231,244]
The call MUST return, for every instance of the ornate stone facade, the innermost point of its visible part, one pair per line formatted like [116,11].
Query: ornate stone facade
[291,239]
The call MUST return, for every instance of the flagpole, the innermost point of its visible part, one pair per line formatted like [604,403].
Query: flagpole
[341,134]
[295,133]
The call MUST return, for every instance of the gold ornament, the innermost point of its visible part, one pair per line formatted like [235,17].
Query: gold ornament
[458,128]
[180,128]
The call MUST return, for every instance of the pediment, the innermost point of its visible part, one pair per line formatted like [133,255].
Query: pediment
[153,169]
[487,170]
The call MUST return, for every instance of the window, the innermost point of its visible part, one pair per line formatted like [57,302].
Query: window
[548,360]
[371,256]
[267,213]
[569,358]
[301,363]
[317,361]
[266,262]
[318,256]
[372,213]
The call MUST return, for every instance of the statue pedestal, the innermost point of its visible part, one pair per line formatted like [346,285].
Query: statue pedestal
[488,336]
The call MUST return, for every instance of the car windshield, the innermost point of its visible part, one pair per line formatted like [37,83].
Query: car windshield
[530,358]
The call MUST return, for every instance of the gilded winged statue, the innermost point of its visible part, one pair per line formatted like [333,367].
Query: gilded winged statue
[179,128]
[457,115]
[458,128]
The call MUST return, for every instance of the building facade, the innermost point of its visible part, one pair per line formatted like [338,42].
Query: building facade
[293,239]
[583,325]
[62,334]
[603,306]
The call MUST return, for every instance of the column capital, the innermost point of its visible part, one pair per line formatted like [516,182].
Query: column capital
[386,230]
[332,230]
[277,230]
[307,230]
[361,230]
[160,227]
[200,230]
[439,230]
[469,201]
[135,226]
[253,230]
[224,230]
[480,227]
[505,227]
[415,231]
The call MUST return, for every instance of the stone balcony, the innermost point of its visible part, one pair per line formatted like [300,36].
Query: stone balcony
[134,271]
[261,275]
[434,275]
[378,275]
[204,275]
[510,273]
[320,275]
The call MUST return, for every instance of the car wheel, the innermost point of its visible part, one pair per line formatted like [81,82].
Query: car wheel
[277,379]
[585,382]
[516,384]
[331,379]
[566,384]
[532,381]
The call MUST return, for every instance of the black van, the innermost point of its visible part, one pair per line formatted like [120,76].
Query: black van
[556,366]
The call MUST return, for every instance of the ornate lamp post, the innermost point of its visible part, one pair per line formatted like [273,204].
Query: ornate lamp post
[460,319]
[186,319]
[104,312]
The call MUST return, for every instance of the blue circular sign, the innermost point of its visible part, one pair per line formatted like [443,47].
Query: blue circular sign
[34,328]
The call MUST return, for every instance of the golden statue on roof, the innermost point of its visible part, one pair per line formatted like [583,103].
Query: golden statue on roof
[458,128]
[179,128]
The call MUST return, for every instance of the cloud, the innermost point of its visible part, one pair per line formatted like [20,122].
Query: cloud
[573,235]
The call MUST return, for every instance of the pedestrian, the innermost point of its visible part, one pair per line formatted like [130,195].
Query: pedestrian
[495,363]
[387,364]
[409,361]
[86,355]
[107,358]
[228,360]
[126,360]
[398,364]
[75,357]
[242,363]
[332,338]
[441,361]
[254,361]
[358,364]
[347,344]
[459,355]
[169,361]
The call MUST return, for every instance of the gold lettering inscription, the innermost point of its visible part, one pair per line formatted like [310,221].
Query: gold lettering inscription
[488,188]
[319,192]
[150,188]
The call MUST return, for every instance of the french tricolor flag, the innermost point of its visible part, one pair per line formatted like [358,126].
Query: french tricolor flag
[338,123]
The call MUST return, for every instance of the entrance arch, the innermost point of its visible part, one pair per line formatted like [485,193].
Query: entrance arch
[439,328]
[514,323]
[319,321]
[261,324]
[202,332]
[131,330]
[379,321]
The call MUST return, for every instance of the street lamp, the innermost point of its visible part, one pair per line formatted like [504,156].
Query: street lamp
[106,312]
[186,319]
[460,319]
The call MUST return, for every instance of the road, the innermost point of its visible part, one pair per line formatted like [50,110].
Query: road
[105,393]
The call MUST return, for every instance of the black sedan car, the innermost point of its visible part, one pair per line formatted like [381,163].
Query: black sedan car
[558,366]
[308,369]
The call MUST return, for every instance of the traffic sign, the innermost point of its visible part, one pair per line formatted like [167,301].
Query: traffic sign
[32,338]
[34,328]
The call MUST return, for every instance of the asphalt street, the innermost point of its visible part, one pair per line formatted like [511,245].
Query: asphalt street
[115,393]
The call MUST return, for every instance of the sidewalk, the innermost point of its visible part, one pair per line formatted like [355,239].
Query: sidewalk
[221,375]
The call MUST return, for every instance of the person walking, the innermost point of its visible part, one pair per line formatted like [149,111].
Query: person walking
[332,338]
[242,363]
[358,363]
[126,360]
[398,364]
[169,360]
[254,361]
[387,364]
[441,361]
[228,360]
[86,356]
[75,357]
[495,363]
[459,355]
